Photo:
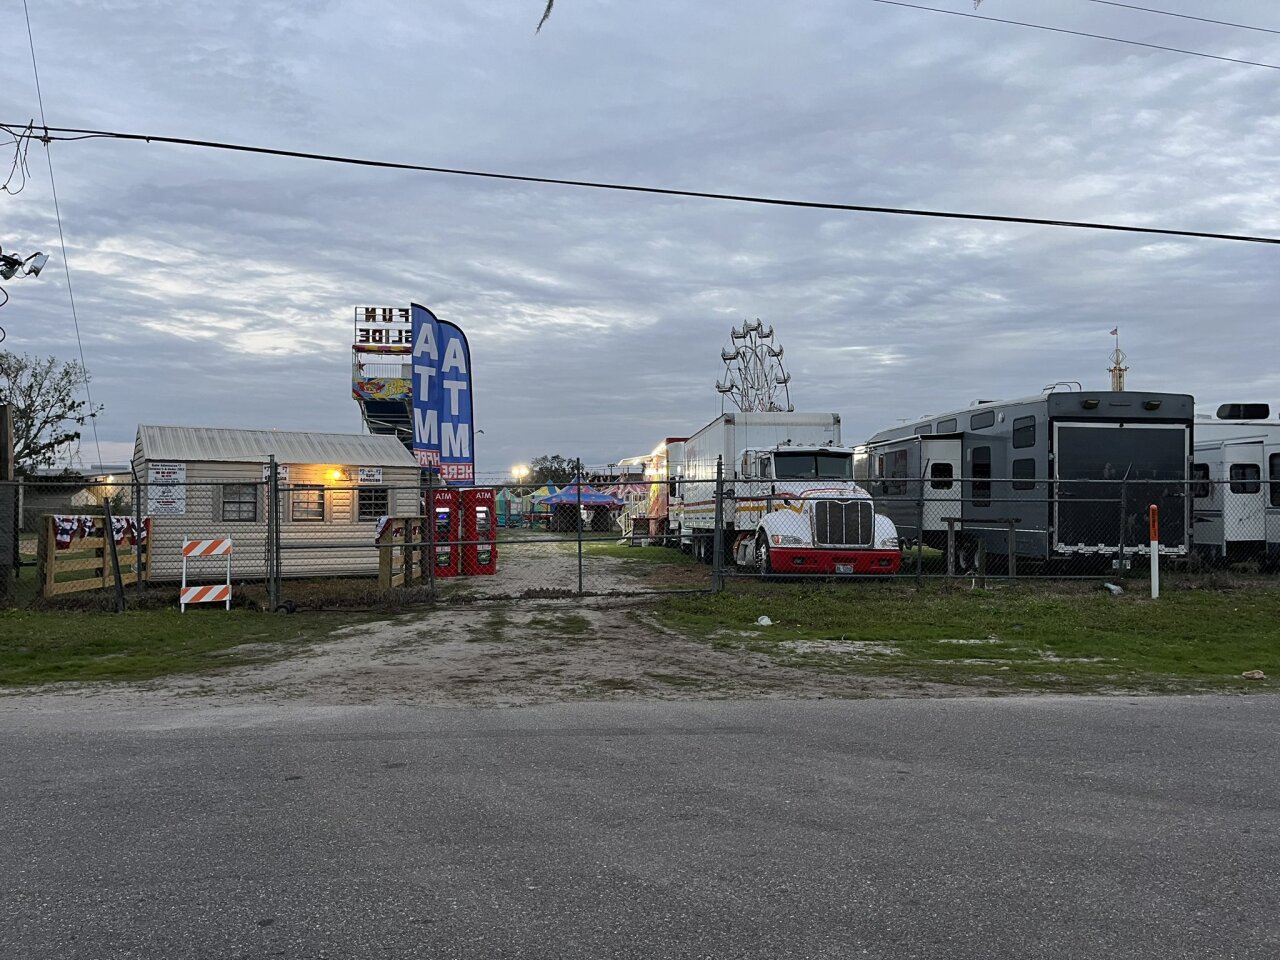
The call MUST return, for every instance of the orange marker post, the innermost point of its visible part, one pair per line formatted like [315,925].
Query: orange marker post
[1153,516]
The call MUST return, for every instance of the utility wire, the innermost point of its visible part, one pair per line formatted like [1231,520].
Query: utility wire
[1078,33]
[76,133]
[66,266]
[1185,16]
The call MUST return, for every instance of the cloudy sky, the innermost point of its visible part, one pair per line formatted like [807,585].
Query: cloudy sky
[218,289]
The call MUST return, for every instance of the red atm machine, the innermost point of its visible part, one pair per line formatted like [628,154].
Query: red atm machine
[479,529]
[448,527]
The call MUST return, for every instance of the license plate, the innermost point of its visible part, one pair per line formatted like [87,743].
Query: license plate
[844,568]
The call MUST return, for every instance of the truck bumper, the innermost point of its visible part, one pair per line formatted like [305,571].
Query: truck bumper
[833,562]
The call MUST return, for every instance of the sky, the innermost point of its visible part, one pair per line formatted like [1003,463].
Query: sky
[218,289]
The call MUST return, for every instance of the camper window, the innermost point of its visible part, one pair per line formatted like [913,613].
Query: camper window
[1023,472]
[940,475]
[1246,478]
[1273,469]
[982,476]
[924,430]
[1200,481]
[240,503]
[1024,432]
[980,420]
[947,426]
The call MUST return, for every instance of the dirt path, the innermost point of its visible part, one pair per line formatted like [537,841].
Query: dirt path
[516,638]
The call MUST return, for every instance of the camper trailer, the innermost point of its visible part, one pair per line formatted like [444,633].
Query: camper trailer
[1236,484]
[1066,474]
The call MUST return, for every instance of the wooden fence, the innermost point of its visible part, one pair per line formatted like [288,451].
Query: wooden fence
[73,554]
[400,562]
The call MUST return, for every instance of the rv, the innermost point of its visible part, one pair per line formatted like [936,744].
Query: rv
[1235,486]
[790,503]
[1066,474]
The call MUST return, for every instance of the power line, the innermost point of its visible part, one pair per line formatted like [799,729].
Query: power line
[1078,33]
[66,266]
[1185,16]
[76,133]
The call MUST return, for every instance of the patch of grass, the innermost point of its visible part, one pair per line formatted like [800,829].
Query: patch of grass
[40,647]
[561,624]
[647,555]
[1028,636]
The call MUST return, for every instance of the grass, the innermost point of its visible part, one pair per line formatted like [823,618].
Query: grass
[39,646]
[1034,636]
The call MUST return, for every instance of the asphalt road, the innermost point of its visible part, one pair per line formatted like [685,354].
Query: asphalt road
[1046,827]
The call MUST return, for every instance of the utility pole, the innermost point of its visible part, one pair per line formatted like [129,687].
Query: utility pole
[8,507]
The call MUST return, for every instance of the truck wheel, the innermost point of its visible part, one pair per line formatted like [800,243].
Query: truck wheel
[764,565]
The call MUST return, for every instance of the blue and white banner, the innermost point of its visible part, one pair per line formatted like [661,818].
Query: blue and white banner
[442,421]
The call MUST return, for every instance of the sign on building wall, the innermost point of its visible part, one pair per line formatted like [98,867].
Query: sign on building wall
[369,475]
[282,472]
[167,489]
[442,405]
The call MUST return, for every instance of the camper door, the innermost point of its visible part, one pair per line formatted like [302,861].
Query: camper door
[1244,496]
[940,469]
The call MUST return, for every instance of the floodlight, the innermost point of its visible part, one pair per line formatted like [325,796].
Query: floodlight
[35,263]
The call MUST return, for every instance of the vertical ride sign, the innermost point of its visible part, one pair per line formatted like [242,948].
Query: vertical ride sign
[442,408]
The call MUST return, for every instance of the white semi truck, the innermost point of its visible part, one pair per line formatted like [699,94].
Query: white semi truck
[791,504]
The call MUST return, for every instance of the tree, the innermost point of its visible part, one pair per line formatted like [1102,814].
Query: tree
[46,411]
[551,469]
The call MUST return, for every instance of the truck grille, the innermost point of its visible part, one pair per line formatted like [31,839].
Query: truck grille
[848,522]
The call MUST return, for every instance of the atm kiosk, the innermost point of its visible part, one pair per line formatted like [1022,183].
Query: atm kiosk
[448,527]
[479,531]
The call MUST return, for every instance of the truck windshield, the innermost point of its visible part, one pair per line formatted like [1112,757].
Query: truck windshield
[813,466]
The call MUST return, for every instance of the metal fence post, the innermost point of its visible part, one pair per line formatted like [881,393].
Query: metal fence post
[578,524]
[717,545]
[920,535]
[1013,550]
[430,521]
[273,535]
[138,542]
[1124,495]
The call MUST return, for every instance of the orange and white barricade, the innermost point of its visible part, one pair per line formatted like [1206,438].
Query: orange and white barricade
[211,593]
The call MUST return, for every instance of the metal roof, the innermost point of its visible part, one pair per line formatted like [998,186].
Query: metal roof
[253,446]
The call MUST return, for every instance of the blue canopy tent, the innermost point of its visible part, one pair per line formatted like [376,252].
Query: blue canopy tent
[565,502]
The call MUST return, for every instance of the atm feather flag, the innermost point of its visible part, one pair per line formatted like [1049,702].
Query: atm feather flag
[443,426]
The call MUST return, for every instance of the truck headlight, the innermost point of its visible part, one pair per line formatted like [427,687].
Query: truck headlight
[787,540]
[889,543]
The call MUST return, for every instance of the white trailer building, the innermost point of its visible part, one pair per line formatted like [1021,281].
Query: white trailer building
[206,482]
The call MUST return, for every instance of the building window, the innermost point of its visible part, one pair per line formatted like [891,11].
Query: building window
[1273,468]
[924,429]
[1246,478]
[240,503]
[982,476]
[947,426]
[1023,472]
[940,475]
[371,503]
[306,504]
[1024,432]
[981,420]
[1200,481]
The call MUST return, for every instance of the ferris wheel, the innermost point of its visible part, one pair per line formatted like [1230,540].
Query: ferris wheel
[754,376]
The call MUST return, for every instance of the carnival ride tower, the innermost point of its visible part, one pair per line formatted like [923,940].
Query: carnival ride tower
[382,371]
[755,380]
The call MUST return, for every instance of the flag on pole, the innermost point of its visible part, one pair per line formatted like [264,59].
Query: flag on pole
[1115,332]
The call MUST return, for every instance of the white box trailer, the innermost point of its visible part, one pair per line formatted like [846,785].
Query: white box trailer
[791,504]
[1236,485]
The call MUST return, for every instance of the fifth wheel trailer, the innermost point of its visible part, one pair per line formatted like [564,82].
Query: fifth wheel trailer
[1236,484]
[1071,471]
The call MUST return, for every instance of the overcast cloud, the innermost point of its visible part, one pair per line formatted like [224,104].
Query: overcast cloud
[217,289]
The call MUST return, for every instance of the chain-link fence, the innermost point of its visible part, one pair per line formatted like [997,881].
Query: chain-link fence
[288,546]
